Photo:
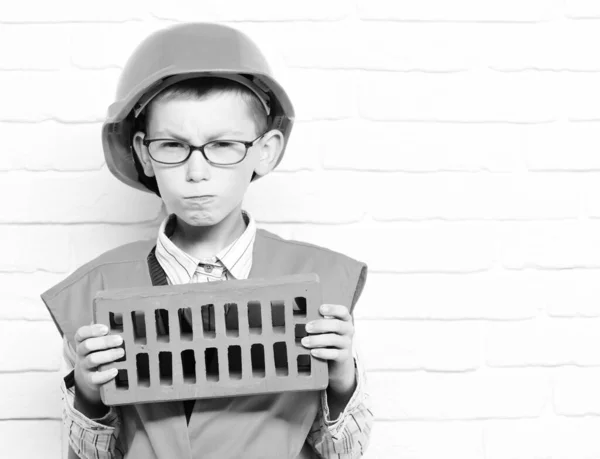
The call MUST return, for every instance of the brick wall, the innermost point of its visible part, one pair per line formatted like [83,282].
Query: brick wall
[451,145]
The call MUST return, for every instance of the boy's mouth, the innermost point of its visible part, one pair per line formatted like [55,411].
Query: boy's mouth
[199,199]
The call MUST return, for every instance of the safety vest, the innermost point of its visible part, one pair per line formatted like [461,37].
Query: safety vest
[251,427]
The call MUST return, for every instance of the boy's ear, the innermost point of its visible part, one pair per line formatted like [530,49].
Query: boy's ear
[270,150]
[142,153]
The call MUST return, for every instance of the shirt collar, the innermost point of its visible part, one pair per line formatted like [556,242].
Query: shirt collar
[180,266]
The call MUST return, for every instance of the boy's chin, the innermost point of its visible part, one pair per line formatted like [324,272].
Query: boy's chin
[200,218]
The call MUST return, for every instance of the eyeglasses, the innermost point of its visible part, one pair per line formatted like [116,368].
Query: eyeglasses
[216,152]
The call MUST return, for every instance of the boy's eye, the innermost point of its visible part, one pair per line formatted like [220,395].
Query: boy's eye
[172,145]
[222,144]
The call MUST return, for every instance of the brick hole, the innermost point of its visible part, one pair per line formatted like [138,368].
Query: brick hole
[278,316]
[280,356]
[208,320]
[300,332]
[121,380]
[115,321]
[234,356]
[142,365]
[185,324]
[122,346]
[211,360]
[165,368]
[138,322]
[161,317]
[303,362]
[232,323]
[188,363]
[257,355]
[300,306]
[255,318]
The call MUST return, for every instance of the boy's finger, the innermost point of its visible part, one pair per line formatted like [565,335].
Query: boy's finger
[102,377]
[90,331]
[98,344]
[337,311]
[95,359]
[326,340]
[326,354]
[330,326]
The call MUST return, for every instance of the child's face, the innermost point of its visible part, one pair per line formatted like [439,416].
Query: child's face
[221,188]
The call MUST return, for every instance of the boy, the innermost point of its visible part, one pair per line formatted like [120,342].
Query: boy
[197,118]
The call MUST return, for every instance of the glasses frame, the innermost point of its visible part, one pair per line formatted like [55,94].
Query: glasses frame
[248,145]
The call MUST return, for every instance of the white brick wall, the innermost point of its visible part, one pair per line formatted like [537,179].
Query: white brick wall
[451,145]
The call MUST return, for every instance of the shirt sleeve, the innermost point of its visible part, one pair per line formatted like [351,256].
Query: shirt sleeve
[348,436]
[88,438]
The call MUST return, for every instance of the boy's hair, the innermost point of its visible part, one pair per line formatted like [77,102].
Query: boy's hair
[197,89]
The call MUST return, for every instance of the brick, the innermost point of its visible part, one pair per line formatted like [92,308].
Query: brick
[106,237]
[483,394]
[544,149]
[238,10]
[74,197]
[463,10]
[34,47]
[35,346]
[51,146]
[30,395]
[276,368]
[571,293]
[575,391]
[16,307]
[73,11]
[582,9]
[469,147]
[320,94]
[63,101]
[442,46]
[17,437]
[590,189]
[581,96]
[21,295]
[408,439]
[436,346]
[408,247]
[478,196]
[497,295]
[554,437]
[542,342]
[305,149]
[69,246]
[423,147]
[560,244]
[556,45]
[574,45]
[478,95]
[30,251]
[306,197]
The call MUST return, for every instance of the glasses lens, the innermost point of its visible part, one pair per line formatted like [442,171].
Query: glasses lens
[225,151]
[168,151]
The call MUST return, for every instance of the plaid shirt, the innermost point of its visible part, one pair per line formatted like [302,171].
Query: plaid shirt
[343,438]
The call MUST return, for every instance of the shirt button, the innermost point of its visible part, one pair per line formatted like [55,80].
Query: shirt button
[208,268]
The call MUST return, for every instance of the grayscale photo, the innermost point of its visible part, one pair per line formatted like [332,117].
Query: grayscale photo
[333,229]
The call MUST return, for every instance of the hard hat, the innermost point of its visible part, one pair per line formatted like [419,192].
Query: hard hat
[174,54]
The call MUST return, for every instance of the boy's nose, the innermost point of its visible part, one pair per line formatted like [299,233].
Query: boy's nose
[198,168]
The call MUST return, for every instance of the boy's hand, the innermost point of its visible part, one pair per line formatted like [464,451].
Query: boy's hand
[93,349]
[331,339]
